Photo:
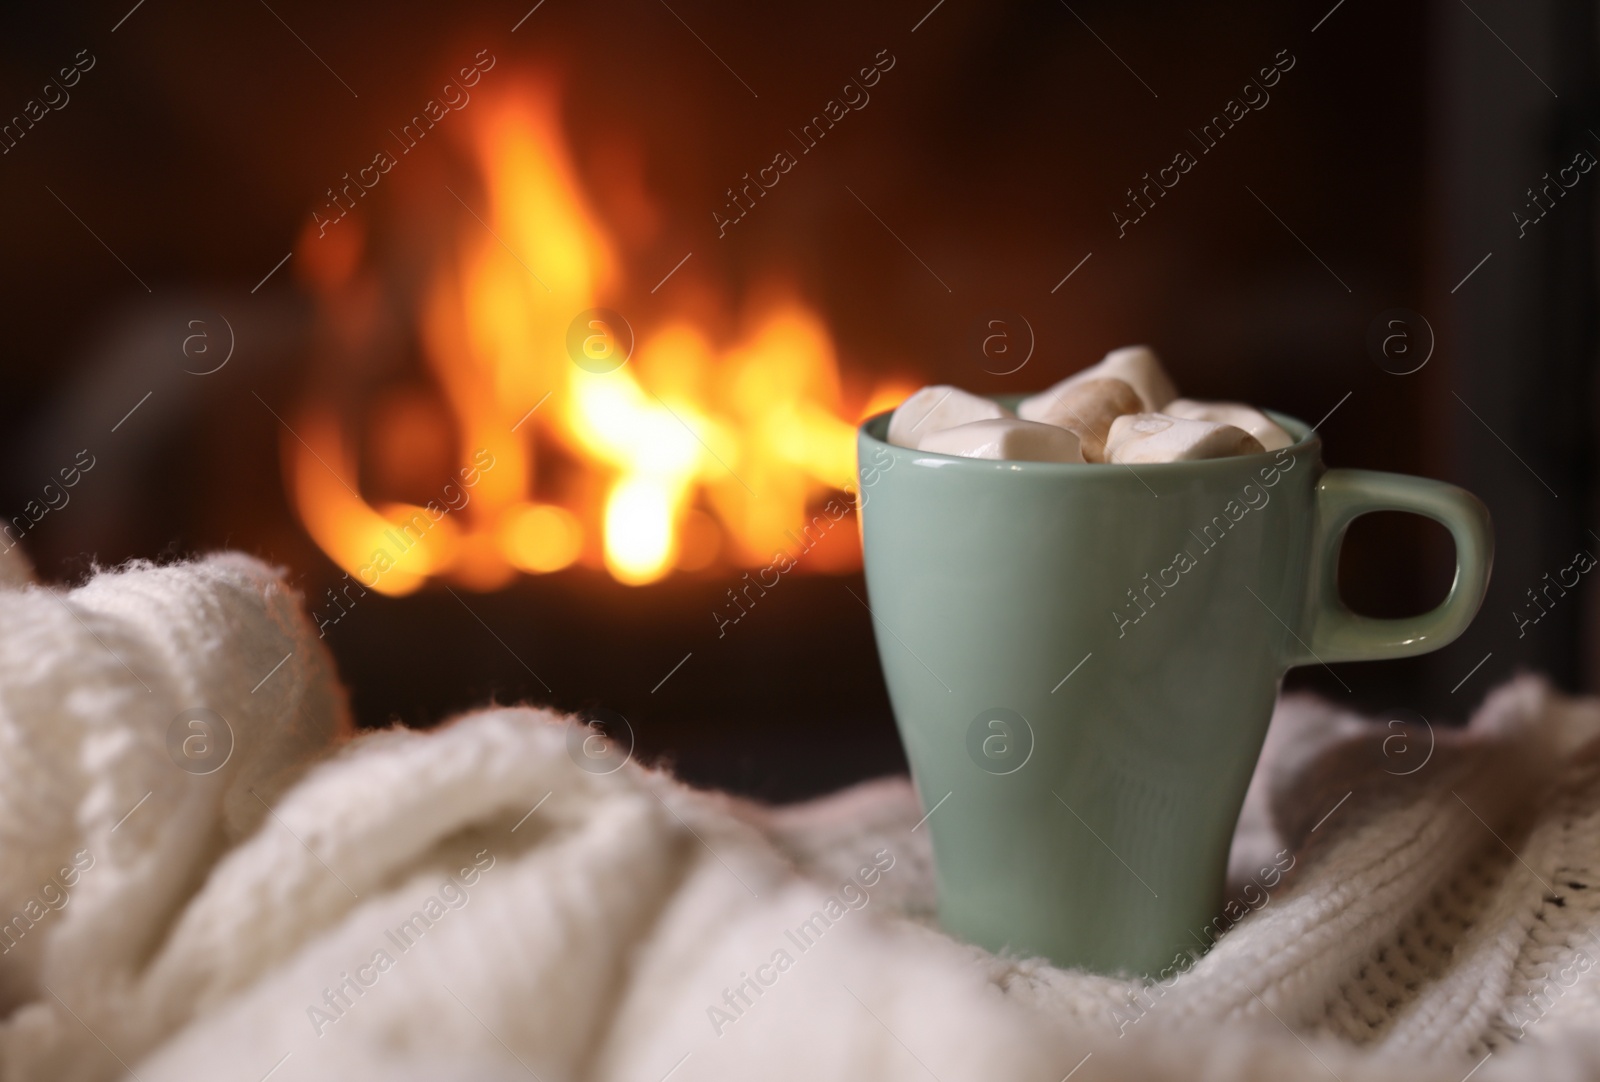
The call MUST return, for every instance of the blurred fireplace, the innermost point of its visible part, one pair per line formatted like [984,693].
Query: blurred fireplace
[431,321]
[581,502]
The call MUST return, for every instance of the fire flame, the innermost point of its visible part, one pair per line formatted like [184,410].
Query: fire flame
[690,454]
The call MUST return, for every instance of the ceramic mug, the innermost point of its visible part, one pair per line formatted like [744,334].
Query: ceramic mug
[1083,660]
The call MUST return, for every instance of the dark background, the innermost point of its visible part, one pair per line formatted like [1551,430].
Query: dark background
[1386,165]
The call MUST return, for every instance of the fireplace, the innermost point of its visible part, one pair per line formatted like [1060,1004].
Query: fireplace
[542,342]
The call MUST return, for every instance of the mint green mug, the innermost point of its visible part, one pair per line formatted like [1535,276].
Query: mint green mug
[1083,660]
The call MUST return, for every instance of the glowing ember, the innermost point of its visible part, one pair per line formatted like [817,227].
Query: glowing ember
[689,454]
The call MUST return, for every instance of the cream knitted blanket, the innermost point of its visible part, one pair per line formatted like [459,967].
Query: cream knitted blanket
[468,903]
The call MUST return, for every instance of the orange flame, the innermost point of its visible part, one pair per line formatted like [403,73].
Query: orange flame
[687,454]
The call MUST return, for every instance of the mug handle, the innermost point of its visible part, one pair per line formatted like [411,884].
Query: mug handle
[1337,634]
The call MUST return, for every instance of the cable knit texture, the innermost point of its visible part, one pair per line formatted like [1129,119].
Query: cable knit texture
[1406,902]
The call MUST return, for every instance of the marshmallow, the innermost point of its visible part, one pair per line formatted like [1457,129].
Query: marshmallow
[936,408]
[1085,409]
[1267,433]
[1006,439]
[1156,437]
[1137,366]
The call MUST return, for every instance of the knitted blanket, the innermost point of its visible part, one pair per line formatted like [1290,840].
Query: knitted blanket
[271,897]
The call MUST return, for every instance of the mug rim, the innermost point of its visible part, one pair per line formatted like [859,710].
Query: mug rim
[875,429]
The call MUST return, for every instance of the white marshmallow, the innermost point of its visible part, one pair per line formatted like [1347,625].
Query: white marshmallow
[1087,409]
[1137,366]
[1005,438]
[936,408]
[1270,435]
[1156,437]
